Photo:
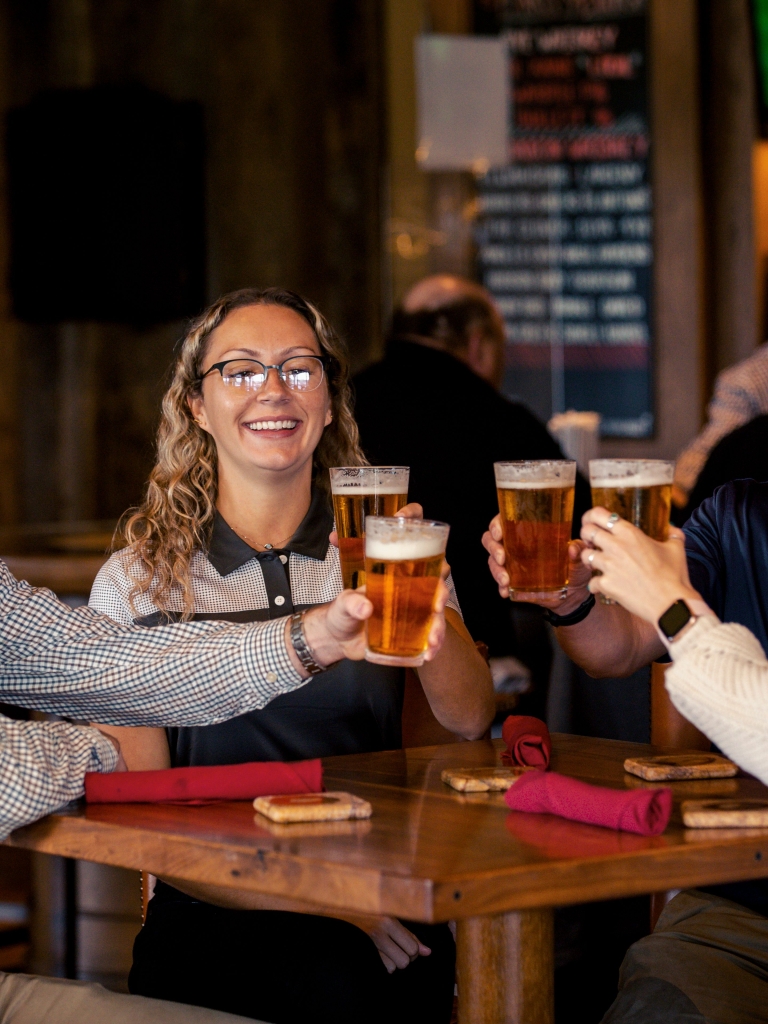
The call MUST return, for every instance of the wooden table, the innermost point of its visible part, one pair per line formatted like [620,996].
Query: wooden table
[430,854]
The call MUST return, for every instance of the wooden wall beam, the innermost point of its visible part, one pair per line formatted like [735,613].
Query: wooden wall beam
[678,250]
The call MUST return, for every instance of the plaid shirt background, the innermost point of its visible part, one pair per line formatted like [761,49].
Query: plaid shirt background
[741,394]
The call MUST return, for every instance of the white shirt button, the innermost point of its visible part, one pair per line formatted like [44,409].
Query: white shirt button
[283,559]
[279,600]
[271,677]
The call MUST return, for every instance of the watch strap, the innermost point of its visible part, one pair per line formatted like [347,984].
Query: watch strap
[300,645]
[578,615]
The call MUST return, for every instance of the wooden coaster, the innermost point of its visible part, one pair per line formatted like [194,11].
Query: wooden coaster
[312,807]
[313,829]
[725,813]
[666,767]
[688,789]
[481,780]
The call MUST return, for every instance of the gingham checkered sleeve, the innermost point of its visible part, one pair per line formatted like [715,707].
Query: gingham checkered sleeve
[42,766]
[81,664]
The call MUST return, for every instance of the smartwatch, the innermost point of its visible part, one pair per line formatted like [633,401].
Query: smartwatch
[675,619]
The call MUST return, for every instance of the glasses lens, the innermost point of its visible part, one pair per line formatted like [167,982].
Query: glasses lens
[243,373]
[303,373]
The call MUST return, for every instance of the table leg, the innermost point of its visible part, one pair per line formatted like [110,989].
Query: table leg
[505,966]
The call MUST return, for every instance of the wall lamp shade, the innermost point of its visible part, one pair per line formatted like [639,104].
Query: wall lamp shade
[463,98]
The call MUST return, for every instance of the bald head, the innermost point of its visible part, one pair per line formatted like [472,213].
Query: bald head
[443,290]
[459,316]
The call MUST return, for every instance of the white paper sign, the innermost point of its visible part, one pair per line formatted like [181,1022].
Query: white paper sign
[462,85]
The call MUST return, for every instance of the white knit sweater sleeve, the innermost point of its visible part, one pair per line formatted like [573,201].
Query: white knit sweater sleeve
[719,681]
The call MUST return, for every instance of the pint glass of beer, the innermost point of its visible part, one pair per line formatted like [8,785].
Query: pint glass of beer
[360,491]
[536,506]
[403,561]
[639,490]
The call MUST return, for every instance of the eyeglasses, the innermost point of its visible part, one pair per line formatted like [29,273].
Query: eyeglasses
[299,373]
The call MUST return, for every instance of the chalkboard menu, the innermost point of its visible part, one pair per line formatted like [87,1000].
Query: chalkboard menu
[564,231]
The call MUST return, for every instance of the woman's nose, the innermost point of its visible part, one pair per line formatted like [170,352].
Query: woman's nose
[273,387]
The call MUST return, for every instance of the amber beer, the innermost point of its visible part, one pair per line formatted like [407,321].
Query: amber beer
[638,490]
[360,491]
[536,506]
[403,561]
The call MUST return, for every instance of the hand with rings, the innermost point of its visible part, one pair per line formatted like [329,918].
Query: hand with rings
[643,575]
[579,574]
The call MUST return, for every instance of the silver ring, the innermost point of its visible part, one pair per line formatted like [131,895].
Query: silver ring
[592,538]
[591,557]
[613,518]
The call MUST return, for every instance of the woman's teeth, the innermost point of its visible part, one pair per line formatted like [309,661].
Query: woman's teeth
[272,425]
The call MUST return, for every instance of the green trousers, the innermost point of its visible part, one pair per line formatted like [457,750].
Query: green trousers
[706,962]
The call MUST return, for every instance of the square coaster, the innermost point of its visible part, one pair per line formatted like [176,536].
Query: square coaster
[725,813]
[482,780]
[312,807]
[666,767]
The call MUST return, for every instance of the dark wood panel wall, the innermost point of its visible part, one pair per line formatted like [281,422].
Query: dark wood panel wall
[292,101]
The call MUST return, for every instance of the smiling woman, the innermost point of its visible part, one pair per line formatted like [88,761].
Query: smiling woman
[236,525]
[206,449]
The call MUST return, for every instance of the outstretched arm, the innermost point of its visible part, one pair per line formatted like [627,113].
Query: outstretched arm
[82,664]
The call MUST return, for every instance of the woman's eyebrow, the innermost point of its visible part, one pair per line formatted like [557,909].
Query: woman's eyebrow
[284,353]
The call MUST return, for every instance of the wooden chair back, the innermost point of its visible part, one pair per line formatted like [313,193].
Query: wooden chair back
[668,727]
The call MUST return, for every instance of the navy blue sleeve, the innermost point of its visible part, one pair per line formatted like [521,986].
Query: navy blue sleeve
[703,547]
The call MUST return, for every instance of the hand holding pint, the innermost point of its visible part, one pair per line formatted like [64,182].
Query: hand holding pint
[536,508]
[360,491]
[403,566]
[638,490]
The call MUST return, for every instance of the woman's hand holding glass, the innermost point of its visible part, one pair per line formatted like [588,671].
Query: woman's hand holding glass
[579,576]
[644,576]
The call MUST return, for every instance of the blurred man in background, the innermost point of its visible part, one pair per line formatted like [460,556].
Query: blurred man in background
[433,404]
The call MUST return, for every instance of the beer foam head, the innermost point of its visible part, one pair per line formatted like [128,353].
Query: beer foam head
[353,480]
[630,472]
[535,475]
[398,540]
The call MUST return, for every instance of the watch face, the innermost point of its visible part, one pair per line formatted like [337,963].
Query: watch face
[674,618]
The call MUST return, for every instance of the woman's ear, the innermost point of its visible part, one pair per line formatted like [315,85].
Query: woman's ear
[197,408]
[328,417]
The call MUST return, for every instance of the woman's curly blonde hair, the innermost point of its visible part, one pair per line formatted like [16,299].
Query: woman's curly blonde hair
[176,517]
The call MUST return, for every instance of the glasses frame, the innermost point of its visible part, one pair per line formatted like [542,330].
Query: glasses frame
[323,360]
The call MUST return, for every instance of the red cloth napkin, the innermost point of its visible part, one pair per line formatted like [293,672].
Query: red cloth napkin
[645,811]
[214,782]
[528,742]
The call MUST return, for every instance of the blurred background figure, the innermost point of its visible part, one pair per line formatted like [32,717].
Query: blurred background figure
[740,396]
[433,404]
